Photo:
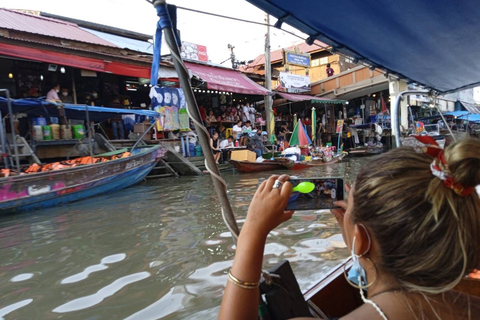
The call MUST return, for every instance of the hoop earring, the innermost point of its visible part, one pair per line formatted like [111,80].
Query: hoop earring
[358,271]
[360,286]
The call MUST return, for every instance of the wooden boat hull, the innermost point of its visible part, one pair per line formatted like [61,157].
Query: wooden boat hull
[267,165]
[336,298]
[46,189]
[305,165]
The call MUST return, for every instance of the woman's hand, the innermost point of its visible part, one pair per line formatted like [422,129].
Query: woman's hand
[267,209]
[340,212]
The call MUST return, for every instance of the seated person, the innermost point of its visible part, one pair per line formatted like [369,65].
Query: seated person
[282,132]
[221,131]
[227,143]
[412,228]
[225,146]
[210,118]
[247,127]
[214,145]
[251,144]
[237,129]
[257,139]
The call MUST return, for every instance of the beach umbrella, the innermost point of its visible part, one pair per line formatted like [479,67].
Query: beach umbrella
[299,136]
[295,120]
[314,125]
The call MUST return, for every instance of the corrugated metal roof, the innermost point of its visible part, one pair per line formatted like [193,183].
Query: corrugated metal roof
[124,42]
[18,21]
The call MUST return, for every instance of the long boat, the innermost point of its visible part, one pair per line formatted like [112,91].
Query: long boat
[309,164]
[266,165]
[45,189]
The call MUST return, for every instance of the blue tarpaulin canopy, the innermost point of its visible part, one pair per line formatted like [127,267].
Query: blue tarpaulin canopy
[40,107]
[471,117]
[433,43]
[456,113]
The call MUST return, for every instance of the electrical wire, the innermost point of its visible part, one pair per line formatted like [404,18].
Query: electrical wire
[243,20]
[328,48]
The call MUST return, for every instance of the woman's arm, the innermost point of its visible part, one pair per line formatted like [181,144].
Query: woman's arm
[266,212]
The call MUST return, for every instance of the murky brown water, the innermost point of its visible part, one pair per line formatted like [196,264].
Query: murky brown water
[156,250]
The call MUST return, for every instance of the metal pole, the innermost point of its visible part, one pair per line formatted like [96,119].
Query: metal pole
[268,80]
[14,138]
[89,136]
[204,139]
[4,143]
[143,135]
[74,90]
[396,109]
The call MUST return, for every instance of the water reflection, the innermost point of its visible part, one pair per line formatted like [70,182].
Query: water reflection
[156,250]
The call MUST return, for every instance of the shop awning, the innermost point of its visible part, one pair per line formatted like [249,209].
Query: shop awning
[435,44]
[225,79]
[119,68]
[303,97]
[471,107]
[40,107]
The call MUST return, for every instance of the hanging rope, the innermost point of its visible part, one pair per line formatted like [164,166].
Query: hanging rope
[163,22]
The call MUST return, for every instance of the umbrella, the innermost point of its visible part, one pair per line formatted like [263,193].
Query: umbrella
[299,136]
[314,125]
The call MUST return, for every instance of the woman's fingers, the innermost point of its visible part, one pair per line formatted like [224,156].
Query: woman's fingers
[262,186]
[342,204]
[347,187]
[270,182]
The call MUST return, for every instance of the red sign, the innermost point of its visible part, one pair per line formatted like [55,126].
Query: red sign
[194,51]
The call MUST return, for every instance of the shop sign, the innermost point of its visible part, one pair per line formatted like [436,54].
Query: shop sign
[294,83]
[194,51]
[339,126]
[297,59]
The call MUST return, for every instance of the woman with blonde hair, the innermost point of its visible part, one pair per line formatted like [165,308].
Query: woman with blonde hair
[412,227]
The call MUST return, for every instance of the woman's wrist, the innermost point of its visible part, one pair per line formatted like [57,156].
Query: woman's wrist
[253,233]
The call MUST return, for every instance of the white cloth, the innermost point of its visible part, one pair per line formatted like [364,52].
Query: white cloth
[225,144]
[252,115]
[236,129]
[192,137]
[245,113]
[355,135]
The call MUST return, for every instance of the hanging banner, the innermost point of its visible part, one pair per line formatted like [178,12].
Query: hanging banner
[167,102]
[339,126]
[294,83]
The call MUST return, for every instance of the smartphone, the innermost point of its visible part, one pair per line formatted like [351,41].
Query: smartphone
[326,191]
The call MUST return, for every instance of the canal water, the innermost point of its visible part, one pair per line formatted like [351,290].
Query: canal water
[157,250]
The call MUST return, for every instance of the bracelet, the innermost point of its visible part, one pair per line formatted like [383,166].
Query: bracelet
[242,284]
